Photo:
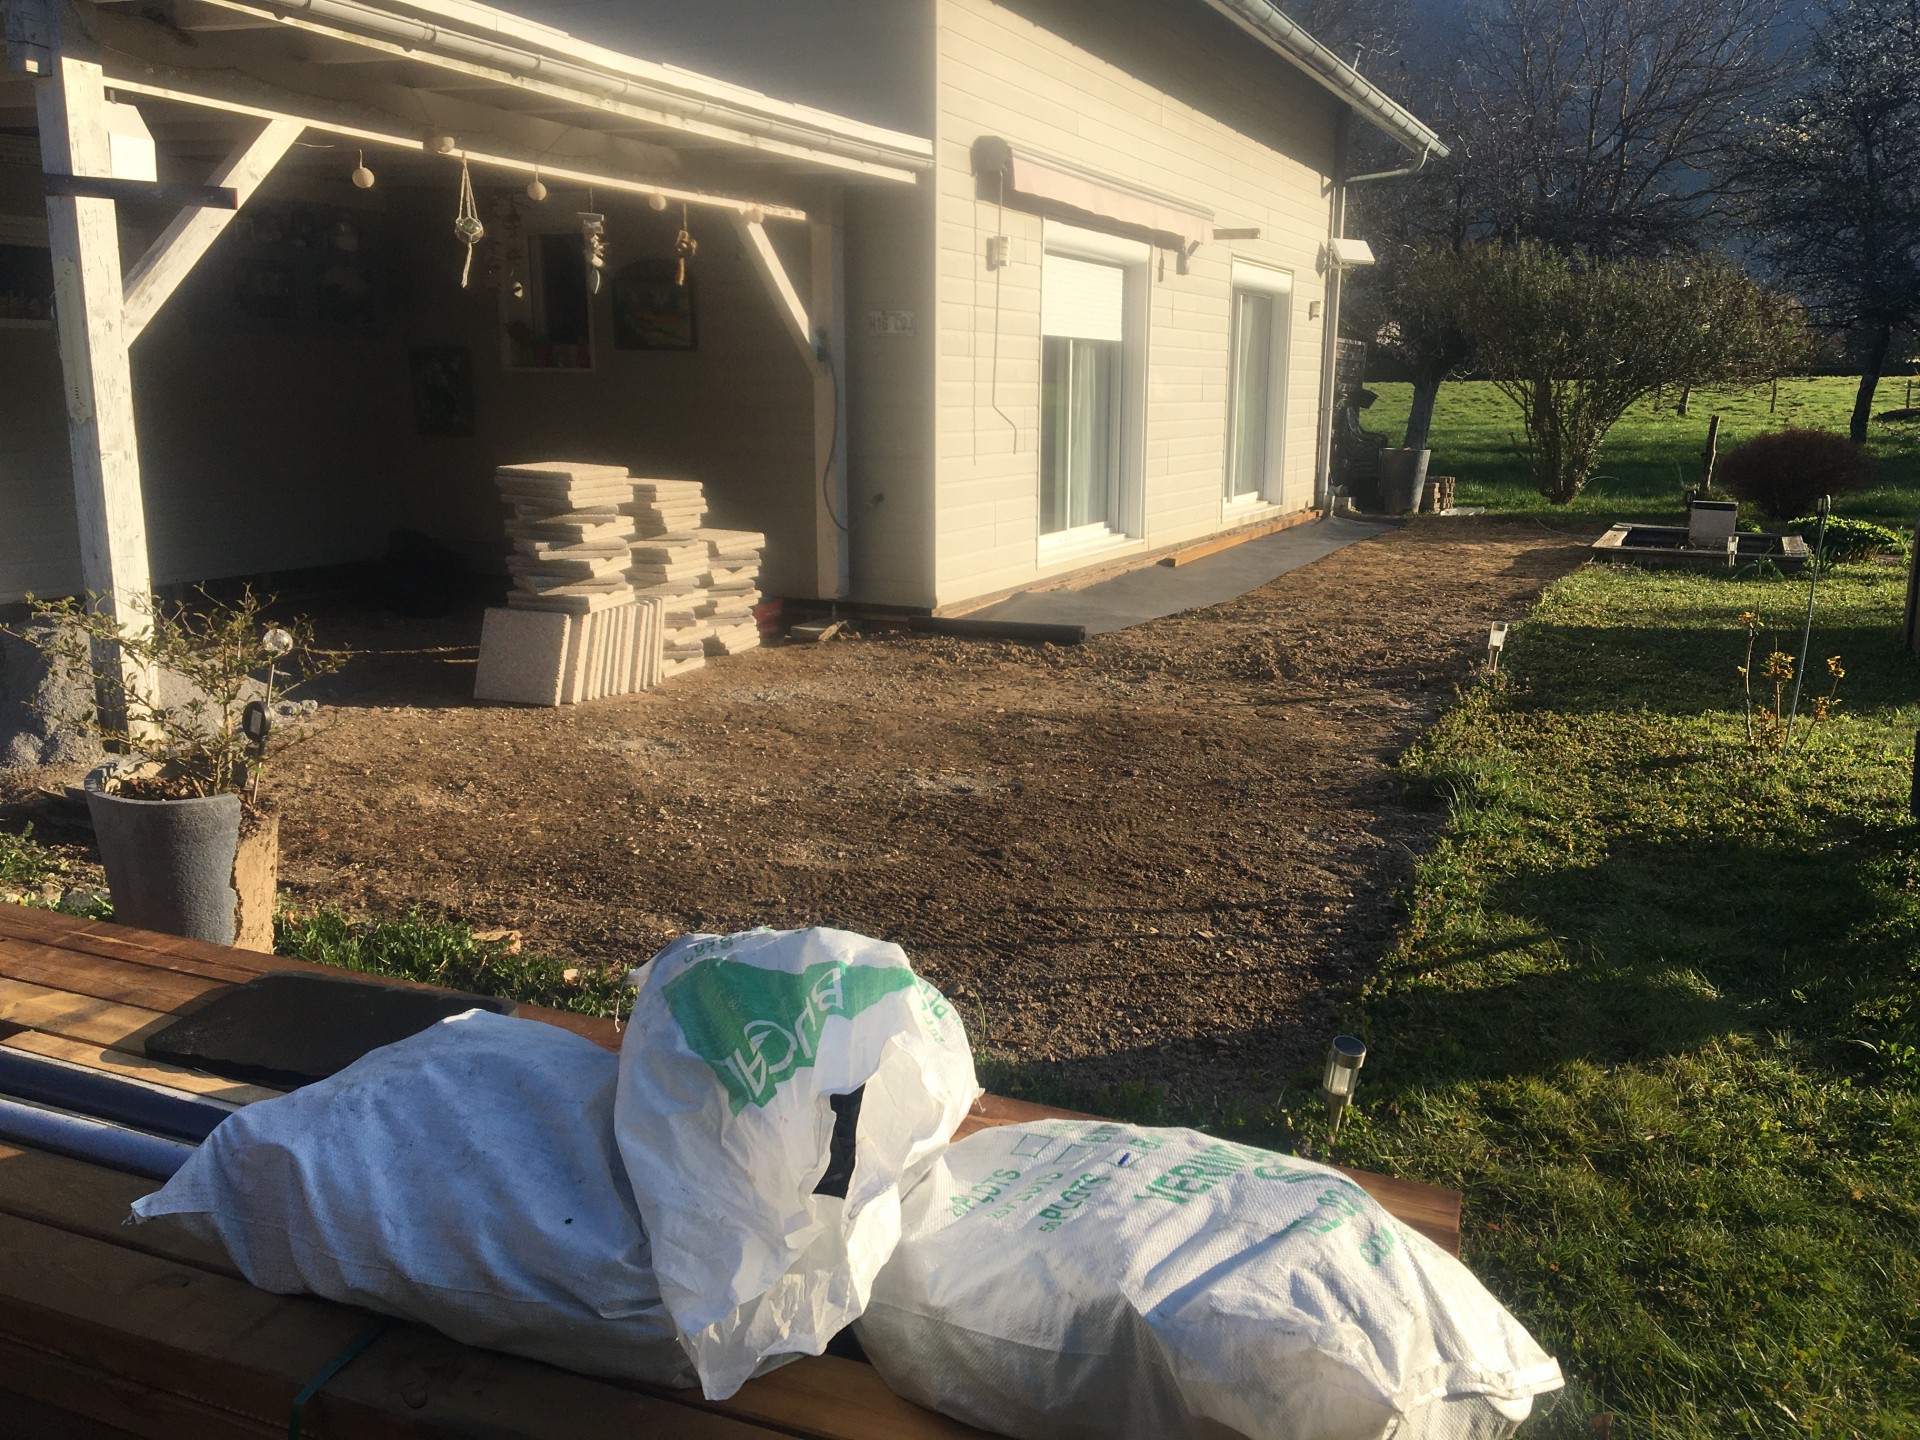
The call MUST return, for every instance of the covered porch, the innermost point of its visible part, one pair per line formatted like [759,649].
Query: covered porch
[239,331]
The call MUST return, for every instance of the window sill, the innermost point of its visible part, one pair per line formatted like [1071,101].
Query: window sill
[1072,545]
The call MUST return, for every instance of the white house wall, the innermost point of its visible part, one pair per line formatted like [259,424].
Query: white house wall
[1260,159]
[258,453]
[736,414]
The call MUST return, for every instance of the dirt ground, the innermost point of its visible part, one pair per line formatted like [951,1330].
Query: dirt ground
[1164,856]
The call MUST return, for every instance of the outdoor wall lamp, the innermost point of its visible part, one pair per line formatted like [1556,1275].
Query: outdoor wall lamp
[1345,1056]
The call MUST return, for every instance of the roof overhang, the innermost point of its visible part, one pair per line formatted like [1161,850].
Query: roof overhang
[1260,19]
[509,91]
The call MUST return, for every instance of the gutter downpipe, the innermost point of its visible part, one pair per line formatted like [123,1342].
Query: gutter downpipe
[1330,334]
[1335,286]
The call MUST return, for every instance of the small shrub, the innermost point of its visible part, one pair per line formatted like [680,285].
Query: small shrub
[1785,472]
[1848,540]
[437,951]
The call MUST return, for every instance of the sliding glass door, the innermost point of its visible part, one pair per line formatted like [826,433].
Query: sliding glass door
[1079,433]
[1083,361]
[1250,444]
[1256,403]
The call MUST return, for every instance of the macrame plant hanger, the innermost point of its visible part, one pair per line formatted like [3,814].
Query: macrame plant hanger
[466,223]
[685,247]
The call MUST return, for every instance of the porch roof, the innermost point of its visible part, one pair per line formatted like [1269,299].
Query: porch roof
[510,92]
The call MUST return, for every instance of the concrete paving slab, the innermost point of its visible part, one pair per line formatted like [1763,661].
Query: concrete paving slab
[1155,591]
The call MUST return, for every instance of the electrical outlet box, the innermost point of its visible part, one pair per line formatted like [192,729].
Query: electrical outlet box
[999,251]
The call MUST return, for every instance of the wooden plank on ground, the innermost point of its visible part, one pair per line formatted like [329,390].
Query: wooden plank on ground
[825,1398]
[156,1072]
[25,1416]
[126,982]
[81,1403]
[78,1017]
[1214,546]
[141,1320]
[123,942]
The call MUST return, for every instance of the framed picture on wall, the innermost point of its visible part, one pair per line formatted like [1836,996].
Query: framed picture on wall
[442,391]
[651,310]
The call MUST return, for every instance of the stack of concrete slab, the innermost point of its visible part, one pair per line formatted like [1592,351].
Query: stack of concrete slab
[670,563]
[571,536]
[551,657]
[665,507]
[732,589]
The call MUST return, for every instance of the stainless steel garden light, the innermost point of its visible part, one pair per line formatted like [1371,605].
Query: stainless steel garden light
[1345,1056]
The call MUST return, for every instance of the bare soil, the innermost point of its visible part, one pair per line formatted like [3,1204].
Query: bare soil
[1167,855]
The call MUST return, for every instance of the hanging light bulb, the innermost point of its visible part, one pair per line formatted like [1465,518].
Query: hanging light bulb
[535,190]
[443,144]
[754,215]
[656,201]
[362,176]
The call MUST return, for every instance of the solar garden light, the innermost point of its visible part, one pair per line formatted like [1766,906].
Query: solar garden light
[1345,1056]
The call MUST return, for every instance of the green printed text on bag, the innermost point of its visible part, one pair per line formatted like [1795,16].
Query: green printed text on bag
[755,1027]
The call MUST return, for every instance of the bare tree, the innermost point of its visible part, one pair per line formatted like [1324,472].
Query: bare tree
[1604,126]
[1833,180]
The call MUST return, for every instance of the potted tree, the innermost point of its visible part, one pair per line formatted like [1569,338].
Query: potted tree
[189,842]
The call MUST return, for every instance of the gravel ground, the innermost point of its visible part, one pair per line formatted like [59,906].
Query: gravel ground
[1164,856]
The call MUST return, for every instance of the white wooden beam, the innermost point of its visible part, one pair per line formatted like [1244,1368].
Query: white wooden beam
[773,273]
[312,114]
[172,257]
[828,292]
[85,242]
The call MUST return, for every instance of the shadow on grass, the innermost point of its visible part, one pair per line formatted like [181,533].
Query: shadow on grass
[1661,949]
[1682,670]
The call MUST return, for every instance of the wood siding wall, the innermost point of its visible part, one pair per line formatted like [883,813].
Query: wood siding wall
[1257,154]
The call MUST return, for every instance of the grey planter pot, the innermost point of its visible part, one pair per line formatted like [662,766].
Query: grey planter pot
[1403,480]
[171,865]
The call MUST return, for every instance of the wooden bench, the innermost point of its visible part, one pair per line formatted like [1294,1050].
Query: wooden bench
[107,1330]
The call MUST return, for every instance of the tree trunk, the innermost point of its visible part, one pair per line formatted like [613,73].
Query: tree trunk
[1426,389]
[1870,381]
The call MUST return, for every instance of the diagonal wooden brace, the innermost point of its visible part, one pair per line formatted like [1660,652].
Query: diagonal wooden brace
[171,258]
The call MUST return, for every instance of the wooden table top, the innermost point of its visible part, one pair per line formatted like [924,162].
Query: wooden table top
[140,1333]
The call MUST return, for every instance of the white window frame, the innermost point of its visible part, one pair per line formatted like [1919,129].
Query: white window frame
[1273,481]
[1134,258]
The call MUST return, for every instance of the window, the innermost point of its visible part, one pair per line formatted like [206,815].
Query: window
[546,307]
[1256,416]
[1089,400]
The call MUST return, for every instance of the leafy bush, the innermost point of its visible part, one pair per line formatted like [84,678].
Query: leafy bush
[221,655]
[1785,472]
[1851,539]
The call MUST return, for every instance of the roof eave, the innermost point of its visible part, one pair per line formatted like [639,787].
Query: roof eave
[1293,44]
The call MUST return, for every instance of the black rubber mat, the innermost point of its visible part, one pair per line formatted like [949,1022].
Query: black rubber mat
[292,1027]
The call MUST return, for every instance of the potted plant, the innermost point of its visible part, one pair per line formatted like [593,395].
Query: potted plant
[1403,480]
[189,843]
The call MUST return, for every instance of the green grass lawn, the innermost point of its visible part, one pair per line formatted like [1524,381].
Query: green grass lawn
[1656,1010]
[1654,453]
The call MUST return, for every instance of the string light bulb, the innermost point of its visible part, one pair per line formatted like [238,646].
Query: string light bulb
[443,144]
[536,191]
[754,215]
[362,176]
[656,201]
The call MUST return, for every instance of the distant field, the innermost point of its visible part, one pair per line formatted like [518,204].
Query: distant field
[1654,453]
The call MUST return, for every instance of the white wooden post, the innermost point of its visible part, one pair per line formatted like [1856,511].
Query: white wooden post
[832,528]
[87,293]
